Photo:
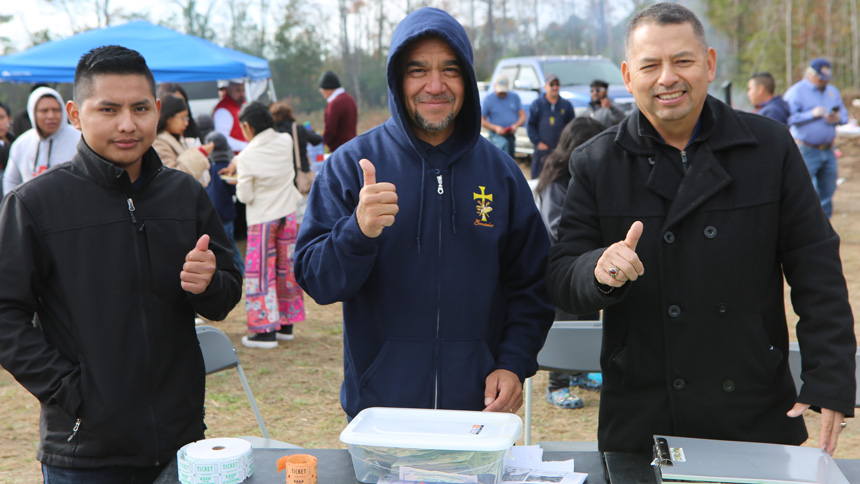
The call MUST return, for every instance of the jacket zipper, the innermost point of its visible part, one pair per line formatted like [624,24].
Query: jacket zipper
[684,160]
[131,210]
[74,430]
[440,190]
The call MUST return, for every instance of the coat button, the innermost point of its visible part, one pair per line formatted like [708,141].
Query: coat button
[722,308]
[674,311]
[679,384]
[710,231]
[669,237]
[729,386]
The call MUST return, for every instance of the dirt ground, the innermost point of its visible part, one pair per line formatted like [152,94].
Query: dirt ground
[297,384]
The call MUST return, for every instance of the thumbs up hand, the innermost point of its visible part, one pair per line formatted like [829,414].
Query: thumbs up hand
[377,203]
[198,268]
[619,262]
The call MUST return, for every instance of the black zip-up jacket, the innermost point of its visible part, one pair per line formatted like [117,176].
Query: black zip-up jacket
[113,357]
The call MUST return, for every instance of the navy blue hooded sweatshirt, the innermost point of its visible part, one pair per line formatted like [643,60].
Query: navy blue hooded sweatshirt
[455,289]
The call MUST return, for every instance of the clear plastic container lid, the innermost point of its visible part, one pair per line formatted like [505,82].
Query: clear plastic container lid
[415,428]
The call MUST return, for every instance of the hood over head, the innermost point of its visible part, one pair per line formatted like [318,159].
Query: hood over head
[39,93]
[434,22]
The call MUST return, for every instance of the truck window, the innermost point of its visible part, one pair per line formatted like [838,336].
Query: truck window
[583,71]
[528,76]
[510,72]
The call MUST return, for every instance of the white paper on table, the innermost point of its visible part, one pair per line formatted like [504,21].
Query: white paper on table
[525,465]
[525,457]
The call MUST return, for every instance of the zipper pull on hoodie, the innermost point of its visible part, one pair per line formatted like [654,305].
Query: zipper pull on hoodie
[439,189]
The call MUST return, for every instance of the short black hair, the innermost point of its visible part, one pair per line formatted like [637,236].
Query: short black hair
[170,106]
[105,60]
[766,80]
[5,108]
[257,116]
[666,13]
[600,83]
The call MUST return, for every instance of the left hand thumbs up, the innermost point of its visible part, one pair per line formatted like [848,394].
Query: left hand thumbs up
[199,267]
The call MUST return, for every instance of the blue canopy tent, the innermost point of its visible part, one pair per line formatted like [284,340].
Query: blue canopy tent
[172,57]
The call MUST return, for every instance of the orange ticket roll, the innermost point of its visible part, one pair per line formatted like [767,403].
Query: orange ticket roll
[301,468]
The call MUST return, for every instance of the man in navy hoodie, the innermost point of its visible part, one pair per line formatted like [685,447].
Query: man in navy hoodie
[760,91]
[446,306]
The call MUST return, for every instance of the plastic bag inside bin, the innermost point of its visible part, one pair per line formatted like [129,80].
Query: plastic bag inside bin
[379,462]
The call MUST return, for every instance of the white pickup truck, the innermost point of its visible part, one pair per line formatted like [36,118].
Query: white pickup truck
[527,76]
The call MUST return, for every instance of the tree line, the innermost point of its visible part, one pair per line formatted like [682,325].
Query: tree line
[301,41]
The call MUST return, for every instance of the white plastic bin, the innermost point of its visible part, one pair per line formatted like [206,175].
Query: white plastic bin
[382,440]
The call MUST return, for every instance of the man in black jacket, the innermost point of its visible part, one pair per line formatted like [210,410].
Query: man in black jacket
[717,205]
[114,254]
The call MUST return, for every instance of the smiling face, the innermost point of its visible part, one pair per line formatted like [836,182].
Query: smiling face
[118,119]
[49,115]
[433,88]
[668,71]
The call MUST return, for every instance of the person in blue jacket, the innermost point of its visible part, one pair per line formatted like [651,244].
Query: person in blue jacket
[430,237]
[548,115]
[760,91]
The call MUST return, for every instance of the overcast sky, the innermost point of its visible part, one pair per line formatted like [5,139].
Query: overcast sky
[36,15]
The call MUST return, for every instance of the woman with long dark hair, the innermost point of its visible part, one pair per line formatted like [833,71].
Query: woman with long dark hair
[552,189]
[175,89]
[170,143]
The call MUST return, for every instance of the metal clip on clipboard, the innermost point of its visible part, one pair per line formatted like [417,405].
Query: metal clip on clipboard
[662,455]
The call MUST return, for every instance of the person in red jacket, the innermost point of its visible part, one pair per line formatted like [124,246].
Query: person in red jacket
[226,114]
[341,112]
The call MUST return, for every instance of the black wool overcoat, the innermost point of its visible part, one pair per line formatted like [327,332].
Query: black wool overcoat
[698,345]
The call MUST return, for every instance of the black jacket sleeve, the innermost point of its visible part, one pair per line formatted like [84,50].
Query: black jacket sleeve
[303,147]
[39,366]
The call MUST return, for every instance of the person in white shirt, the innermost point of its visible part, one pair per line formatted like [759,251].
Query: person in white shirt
[265,183]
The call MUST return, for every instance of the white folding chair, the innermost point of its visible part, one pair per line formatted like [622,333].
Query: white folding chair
[219,354]
[571,346]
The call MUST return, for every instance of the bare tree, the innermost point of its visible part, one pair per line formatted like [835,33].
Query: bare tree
[72,8]
[855,44]
[196,23]
[788,42]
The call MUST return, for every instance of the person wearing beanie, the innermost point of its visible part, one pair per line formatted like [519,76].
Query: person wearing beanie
[341,112]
